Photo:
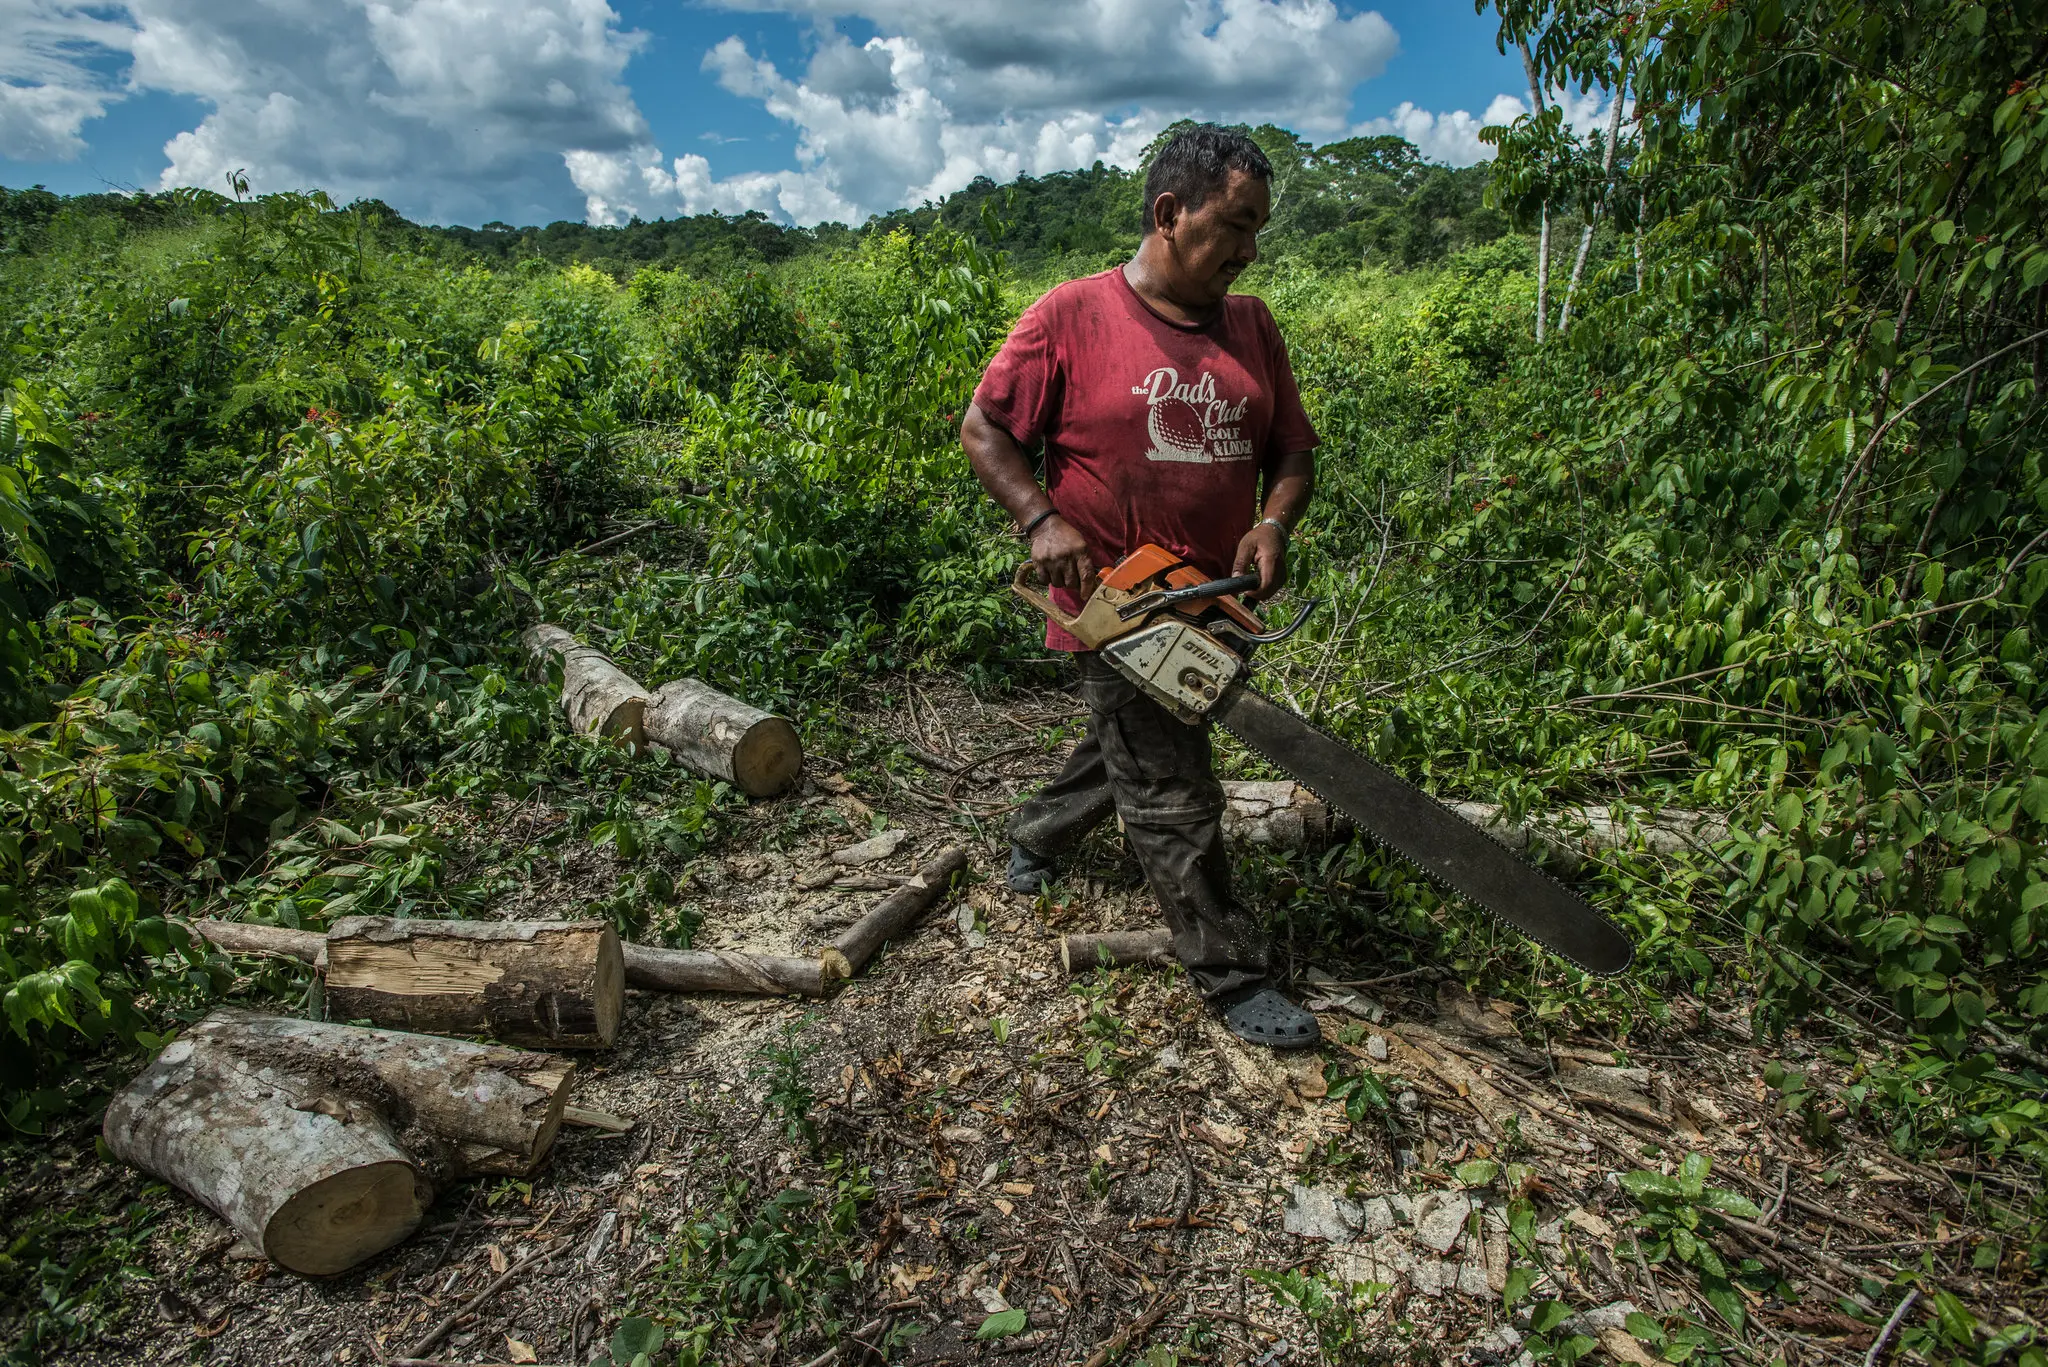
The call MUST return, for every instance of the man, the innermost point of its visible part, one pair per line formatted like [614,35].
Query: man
[1163,403]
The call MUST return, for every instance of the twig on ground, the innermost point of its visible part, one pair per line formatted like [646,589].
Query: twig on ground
[964,770]
[1132,1332]
[425,1344]
[604,544]
[866,1331]
[1784,1176]
[1884,1335]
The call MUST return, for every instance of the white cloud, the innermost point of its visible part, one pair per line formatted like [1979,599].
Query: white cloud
[446,108]
[948,91]
[50,85]
[1453,137]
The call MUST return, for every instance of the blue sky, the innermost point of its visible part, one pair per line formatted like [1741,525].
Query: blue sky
[530,110]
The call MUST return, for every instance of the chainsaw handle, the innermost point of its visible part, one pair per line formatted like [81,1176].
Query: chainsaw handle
[1035,594]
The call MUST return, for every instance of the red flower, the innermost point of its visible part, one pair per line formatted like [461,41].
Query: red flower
[1510,481]
[311,414]
[2017,86]
[1481,506]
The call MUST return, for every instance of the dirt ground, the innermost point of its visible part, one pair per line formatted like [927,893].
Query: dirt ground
[1101,1156]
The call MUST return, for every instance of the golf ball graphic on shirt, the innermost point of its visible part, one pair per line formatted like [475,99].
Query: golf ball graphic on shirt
[1177,431]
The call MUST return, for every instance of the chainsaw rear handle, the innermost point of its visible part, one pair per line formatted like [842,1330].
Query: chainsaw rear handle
[1035,594]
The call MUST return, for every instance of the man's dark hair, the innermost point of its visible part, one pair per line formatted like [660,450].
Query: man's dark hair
[1196,162]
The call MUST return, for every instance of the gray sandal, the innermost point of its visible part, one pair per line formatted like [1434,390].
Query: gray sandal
[1270,1019]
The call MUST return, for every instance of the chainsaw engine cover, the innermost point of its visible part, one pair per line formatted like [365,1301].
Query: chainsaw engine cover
[1178,665]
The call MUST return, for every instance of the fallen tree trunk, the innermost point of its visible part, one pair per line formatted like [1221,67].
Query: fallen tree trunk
[545,984]
[712,970]
[1282,814]
[1572,835]
[755,751]
[599,698]
[323,1144]
[895,914]
[1115,949]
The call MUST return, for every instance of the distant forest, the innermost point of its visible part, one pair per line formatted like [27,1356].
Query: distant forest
[1359,201]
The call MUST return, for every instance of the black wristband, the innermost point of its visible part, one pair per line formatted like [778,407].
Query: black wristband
[1035,523]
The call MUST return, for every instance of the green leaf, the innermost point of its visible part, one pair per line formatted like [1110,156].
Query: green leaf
[1730,1203]
[1476,1173]
[1521,1278]
[1641,1326]
[1547,1315]
[1692,1174]
[1641,1184]
[636,1336]
[1003,1324]
[1723,1298]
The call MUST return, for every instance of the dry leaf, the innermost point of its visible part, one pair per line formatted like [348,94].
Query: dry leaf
[1104,1154]
[498,1263]
[1018,1188]
[1004,1206]
[519,1352]
[1622,1347]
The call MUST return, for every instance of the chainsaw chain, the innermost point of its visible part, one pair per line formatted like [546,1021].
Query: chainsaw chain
[1366,825]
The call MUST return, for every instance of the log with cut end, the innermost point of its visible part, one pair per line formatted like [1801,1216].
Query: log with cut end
[755,751]
[1115,949]
[545,984]
[1283,814]
[897,913]
[323,1144]
[599,698]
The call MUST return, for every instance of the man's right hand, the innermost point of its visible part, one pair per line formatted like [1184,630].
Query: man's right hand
[1062,556]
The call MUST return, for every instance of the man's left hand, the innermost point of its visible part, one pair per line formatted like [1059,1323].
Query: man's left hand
[1266,547]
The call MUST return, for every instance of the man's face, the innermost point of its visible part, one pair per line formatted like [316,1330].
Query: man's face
[1211,246]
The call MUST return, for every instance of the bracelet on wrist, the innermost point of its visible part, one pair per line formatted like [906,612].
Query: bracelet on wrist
[1035,523]
[1285,530]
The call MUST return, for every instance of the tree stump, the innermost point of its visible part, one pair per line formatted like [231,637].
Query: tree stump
[599,698]
[545,984]
[755,751]
[323,1144]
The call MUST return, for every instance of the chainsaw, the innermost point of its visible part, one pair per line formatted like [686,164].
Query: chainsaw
[1185,640]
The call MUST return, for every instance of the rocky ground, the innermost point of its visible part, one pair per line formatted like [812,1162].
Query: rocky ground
[964,1132]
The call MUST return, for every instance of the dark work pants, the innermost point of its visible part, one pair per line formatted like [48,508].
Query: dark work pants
[1155,772]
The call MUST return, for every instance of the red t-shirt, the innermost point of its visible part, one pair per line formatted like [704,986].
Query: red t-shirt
[1153,430]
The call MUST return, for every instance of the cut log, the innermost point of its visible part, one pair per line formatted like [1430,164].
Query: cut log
[323,1144]
[551,984]
[544,984]
[895,914]
[755,751]
[712,970]
[599,698]
[1116,949]
[1284,814]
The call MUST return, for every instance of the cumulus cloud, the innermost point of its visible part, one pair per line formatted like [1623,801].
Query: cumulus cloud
[450,108]
[52,80]
[949,91]
[1453,137]
[447,108]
